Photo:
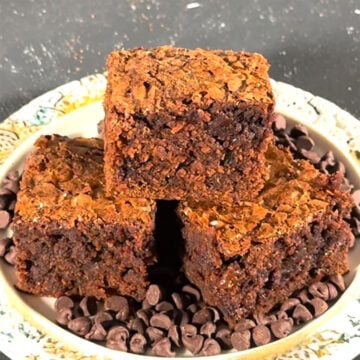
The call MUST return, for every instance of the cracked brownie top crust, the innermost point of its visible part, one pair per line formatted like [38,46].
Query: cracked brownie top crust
[52,188]
[144,81]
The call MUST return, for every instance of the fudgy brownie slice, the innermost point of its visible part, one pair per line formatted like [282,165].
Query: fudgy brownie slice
[70,238]
[186,123]
[247,258]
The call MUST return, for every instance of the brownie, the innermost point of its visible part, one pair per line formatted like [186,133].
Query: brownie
[185,123]
[70,238]
[247,258]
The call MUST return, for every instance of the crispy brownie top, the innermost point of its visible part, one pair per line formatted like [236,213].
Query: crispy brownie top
[63,181]
[175,79]
[295,195]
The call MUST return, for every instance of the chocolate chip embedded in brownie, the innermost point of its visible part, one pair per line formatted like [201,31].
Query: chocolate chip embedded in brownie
[186,123]
[247,258]
[70,238]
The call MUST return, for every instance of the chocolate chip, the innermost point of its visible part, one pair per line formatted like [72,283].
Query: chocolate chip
[338,281]
[80,326]
[104,318]
[4,191]
[5,200]
[154,294]
[144,316]
[202,316]
[154,334]
[4,245]
[13,175]
[281,328]
[304,296]
[188,330]
[138,344]
[356,197]
[161,321]
[329,158]
[278,122]
[289,304]
[192,308]
[312,156]
[5,219]
[174,335]
[224,338]
[320,290]
[305,143]
[63,316]
[191,290]
[282,315]
[88,305]
[97,332]
[77,312]
[299,130]
[12,205]
[11,185]
[244,324]
[163,348]
[355,225]
[136,325]
[319,306]
[327,163]
[261,335]
[164,306]
[240,340]
[215,314]
[351,240]
[178,300]
[346,186]
[262,319]
[333,293]
[208,329]
[340,166]
[301,314]
[63,302]
[191,340]
[10,256]
[118,304]
[210,347]
[184,318]
[145,305]
[286,140]
[356,212]
[117,338]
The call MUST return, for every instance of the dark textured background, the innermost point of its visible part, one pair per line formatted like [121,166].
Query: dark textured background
[311,44]
[314,45]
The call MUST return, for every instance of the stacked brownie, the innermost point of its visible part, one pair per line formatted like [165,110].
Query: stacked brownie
[247,258]
[70,238]
[192,126]
[183,124]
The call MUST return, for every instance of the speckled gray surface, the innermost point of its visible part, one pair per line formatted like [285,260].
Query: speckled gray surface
[311,44]
[314,45]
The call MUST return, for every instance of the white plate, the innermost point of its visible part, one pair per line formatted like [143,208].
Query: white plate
[27,325]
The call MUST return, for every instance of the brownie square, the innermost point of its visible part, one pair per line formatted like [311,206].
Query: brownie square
[247,258]
[70,238]
[185,123]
